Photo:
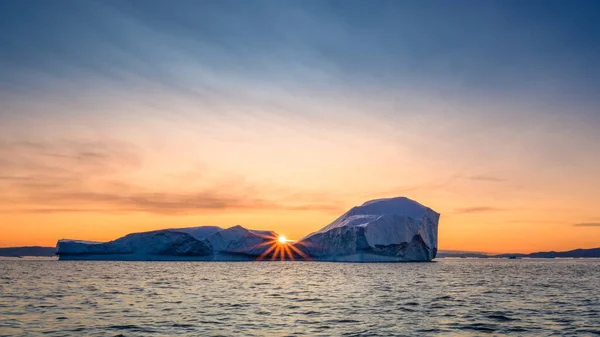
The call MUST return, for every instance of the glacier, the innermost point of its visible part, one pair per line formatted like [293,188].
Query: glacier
[383,230]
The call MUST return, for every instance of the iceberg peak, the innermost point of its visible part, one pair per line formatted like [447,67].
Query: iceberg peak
[397,205]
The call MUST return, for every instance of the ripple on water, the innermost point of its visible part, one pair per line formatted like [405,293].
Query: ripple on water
[501,318]
[450,297]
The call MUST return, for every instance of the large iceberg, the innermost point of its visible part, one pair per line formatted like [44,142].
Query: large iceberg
[394,229]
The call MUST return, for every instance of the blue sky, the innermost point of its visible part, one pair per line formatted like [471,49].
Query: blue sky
[493,47]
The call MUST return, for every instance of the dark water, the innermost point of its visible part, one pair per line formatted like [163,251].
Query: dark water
[449,297]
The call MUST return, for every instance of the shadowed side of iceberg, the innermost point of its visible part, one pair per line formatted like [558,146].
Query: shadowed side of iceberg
[197,243]
[155,245]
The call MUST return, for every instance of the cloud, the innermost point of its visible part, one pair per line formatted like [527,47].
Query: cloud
[439,184]
[163,203]
[85,176]
[487,178]
[477,209]
[65,157]
[587,224]
[543,222]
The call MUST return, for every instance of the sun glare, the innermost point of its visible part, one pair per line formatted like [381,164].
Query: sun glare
[278,247]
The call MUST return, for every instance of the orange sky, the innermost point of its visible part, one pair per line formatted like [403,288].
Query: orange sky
[119,117]
[95,180]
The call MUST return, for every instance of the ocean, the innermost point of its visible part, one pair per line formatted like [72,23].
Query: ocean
[457,297]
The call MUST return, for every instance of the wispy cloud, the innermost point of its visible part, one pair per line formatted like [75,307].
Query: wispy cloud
[487,178]
[587,224]
[443,183]
[477,209]
[164,204]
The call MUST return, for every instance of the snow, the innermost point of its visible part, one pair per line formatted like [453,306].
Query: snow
[199,232]
[371,209]
[239,240]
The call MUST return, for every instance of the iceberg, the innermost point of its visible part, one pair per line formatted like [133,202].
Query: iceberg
[238,240]
[195,243]
[382,230]
[155,245]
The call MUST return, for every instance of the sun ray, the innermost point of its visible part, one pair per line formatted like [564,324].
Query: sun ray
[266,252]
[299,252]
[287,250]
[279,248]
[258,245]
[274,257]
[282,252]
[307,244]
[270,237]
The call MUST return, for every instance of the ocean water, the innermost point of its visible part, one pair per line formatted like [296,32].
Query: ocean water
[448,297]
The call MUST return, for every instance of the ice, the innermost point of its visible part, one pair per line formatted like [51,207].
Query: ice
[143,245]
[206,243]
[239,240]
[394,229]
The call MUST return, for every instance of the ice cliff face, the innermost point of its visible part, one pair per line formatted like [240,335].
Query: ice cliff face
[395,229]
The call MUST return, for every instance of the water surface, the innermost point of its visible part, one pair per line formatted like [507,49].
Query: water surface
[448,297]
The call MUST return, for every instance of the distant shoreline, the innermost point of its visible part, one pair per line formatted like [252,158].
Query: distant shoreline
[39,251]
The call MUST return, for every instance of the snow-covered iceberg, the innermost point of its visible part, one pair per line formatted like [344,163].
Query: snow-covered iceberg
[155,245]
[195,243]
[394,229]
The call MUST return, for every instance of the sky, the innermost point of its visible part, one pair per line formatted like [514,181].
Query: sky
[125,116]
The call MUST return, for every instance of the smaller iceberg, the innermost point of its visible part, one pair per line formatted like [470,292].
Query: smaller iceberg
[196,243]
[155,245]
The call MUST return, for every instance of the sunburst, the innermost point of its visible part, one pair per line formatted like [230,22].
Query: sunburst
[280,248]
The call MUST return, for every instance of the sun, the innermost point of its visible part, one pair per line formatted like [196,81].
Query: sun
[278,247]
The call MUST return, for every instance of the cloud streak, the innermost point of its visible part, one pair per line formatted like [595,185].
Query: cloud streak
[163,204]
[587,224]
[491,179]
[477,209]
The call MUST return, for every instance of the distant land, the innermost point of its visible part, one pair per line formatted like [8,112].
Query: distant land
[28,251]
[460,253]
[576,253]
